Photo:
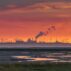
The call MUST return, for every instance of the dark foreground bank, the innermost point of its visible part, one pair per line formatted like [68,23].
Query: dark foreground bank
[35,67]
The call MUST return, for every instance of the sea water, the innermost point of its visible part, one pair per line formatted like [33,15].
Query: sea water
[34,56]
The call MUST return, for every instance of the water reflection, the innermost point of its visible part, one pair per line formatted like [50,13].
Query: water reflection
[29,58]
[21,56]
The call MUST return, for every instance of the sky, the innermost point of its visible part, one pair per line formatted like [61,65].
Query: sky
[23,19]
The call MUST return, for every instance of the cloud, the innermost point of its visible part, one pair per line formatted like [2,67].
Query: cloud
[3,3]
[61,5]
[54,9]
[27,2]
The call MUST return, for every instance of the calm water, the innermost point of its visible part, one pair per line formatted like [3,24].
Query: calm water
[24,56]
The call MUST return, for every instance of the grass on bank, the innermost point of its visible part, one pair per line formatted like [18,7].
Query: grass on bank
[35,67]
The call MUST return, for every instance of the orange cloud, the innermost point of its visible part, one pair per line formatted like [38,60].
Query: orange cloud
[26,22]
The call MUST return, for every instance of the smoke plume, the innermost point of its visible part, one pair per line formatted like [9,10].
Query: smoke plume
[52,28]
[40,34]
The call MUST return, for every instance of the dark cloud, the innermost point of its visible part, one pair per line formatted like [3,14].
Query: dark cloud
[19,2]
[60,0]
[27,2]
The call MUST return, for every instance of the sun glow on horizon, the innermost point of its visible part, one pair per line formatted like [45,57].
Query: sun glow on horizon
[26,21]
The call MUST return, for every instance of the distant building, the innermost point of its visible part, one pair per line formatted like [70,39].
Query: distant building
[20,41]
[31,41]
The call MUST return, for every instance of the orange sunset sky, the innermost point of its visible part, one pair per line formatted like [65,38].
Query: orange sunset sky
[23,19]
